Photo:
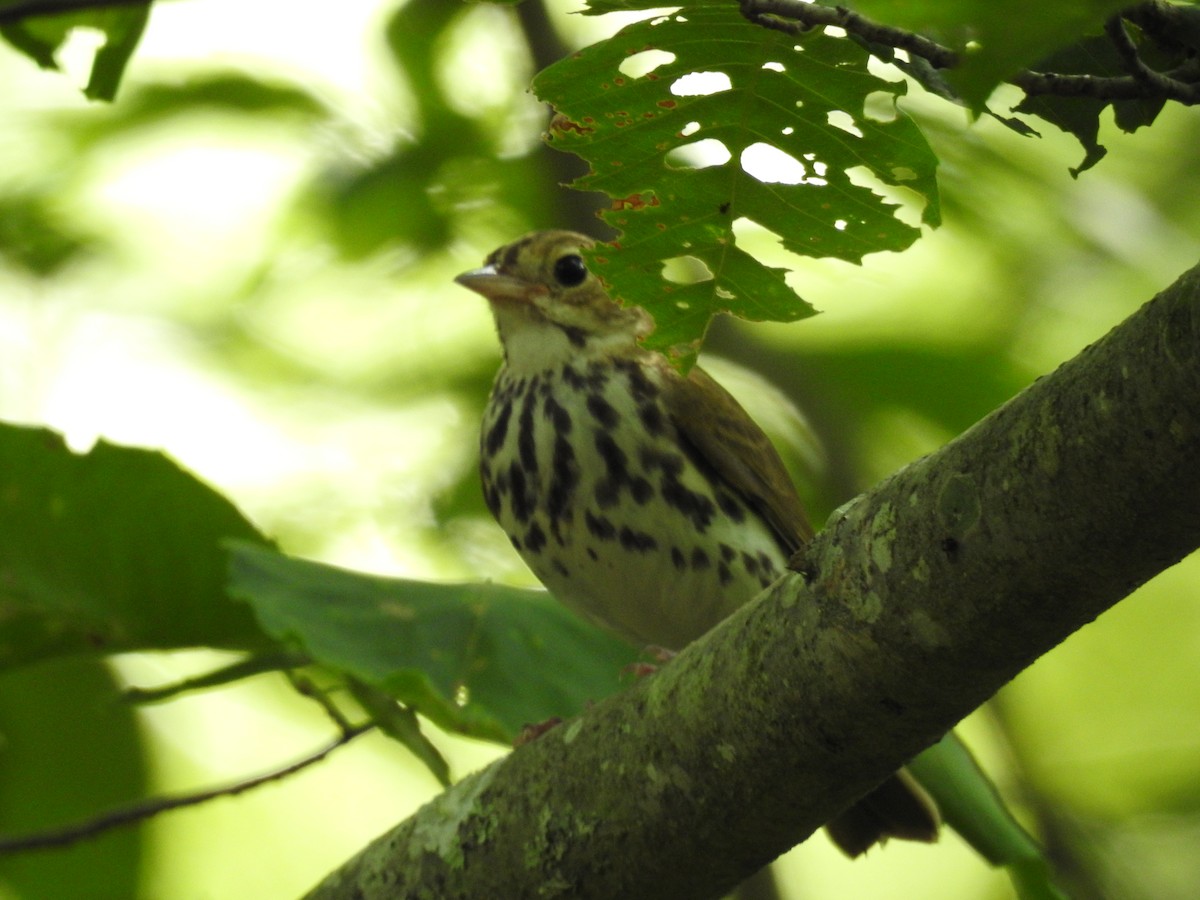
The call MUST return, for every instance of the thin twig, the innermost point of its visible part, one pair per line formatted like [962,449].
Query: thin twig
[794,17]
[1037,84]
[244,668]
[1181,85]
[137,812]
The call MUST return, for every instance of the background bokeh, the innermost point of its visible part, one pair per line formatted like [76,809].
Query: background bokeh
[246,261]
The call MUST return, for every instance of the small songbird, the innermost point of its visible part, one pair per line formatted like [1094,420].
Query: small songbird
[645,500]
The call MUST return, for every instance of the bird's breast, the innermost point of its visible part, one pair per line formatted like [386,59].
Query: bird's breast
[612,510]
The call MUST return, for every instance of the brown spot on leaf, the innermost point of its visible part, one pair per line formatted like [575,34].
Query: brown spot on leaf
[634,202]
[562,124]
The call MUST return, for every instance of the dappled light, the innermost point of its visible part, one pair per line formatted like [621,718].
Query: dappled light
[246,262]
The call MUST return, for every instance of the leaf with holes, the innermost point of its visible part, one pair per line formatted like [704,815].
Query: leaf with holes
[736,124]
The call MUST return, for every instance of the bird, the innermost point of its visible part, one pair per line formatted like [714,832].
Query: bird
[646,500]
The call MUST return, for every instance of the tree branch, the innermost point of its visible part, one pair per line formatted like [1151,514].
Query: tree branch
[134,813]
[917,602]
[796,17]
[1159,20]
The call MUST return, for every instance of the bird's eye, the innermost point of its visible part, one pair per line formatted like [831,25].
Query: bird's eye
[570,270]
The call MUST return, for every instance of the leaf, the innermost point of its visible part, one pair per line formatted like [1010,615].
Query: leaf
[35,238]
[994,40]
[123,30]
[479,659]
[41,36]
[970,804]
[360,207]
[1080,116]
[799,101]
[116,549]
[69,753]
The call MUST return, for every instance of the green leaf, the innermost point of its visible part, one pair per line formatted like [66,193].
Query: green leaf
[359,206]
[970,804]
[994,40]
[35,238]
[1080,116]
[68,754]
[479,659]
[41,36]
[803,101]
[116,549]
[123,30]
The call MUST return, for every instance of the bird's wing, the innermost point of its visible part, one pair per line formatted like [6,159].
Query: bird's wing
[741,454]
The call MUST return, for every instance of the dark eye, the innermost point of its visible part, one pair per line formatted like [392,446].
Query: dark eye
[570,270]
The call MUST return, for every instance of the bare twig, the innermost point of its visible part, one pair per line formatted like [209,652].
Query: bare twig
[1154,18]
[244,668]
[794,17]
[138,812]
[1043,83]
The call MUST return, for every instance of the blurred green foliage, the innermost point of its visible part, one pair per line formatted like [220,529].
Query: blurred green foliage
[301,346]
[41,36]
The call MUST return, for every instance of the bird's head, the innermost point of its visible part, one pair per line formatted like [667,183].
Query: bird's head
[549,308]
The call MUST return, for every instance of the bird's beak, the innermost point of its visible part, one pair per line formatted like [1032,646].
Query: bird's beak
[497,287]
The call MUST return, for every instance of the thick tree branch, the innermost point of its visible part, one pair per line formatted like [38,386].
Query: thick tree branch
[916,603]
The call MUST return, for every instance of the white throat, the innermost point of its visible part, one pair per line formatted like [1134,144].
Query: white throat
[533,345]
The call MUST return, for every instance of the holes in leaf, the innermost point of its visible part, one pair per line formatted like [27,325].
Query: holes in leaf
[686,270]
[909,204]
[771,165]
[644,63]
[699,155]
[689,129]
[843,120]
[817,168]
[699,84]
[774,66]
[880,106]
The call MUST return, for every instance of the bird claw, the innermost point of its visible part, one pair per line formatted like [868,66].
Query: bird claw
[531,733]
[641,669]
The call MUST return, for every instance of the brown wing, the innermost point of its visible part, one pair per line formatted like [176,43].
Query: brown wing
[739,451]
